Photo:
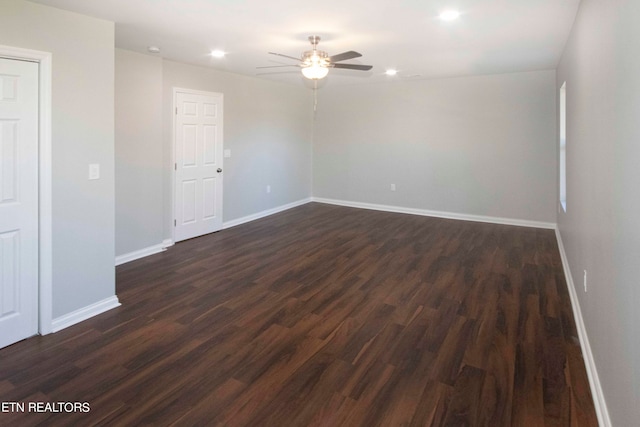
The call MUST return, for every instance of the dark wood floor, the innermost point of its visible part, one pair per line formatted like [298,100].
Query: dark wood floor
[323,316]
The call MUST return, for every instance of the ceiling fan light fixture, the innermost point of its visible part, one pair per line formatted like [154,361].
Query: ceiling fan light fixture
[315,72]
[315,64]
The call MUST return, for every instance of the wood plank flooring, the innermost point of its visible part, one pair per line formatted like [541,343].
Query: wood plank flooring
[322,316]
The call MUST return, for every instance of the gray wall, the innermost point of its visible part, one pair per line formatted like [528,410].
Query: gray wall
[82,133]
[601,228]
[480,145]
[267,127]
[139,151]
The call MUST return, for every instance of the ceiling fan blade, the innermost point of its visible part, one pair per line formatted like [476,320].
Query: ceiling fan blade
[344,56]
[353,67]
[279,66]
[284,56]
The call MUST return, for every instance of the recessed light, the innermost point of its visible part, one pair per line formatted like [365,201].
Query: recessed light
[449,15]
[218,53]
[153,49]
[391,72]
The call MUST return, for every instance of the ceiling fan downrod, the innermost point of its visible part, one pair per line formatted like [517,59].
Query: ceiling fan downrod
[314,40]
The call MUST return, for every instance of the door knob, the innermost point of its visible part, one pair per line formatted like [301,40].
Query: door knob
[219,170]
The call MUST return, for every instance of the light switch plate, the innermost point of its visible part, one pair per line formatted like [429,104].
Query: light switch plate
[227,153]
[94,171]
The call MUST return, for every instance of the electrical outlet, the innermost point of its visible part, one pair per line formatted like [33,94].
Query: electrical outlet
[585,280]
[393,187]
[268,189]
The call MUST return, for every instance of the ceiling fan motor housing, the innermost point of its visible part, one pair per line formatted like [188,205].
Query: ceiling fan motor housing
[314,40]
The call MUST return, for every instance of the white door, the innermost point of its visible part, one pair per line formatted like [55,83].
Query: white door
[18,200]
[198,164]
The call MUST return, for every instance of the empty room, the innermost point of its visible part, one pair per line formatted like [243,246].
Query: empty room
[361,213]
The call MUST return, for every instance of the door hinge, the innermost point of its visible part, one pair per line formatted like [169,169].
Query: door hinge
[174,223]
[175,166]
[176,110]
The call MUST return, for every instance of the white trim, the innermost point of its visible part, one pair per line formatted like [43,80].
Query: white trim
[195,92]
[84,313]
[141,253]
[174,105]
[592,373]
[262,214]
[438,214]
[45,286]
[144,252]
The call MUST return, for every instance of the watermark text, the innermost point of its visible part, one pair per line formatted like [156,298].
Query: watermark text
[39,407]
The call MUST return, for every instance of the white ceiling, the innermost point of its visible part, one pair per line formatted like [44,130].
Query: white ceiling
[491,36]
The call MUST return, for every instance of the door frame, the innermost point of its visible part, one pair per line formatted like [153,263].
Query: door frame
[45,258]
[174,106]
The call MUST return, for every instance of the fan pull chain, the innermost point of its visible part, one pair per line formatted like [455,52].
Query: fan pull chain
[315,97]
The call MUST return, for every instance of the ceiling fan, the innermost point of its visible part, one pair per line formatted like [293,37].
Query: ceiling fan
[315,63]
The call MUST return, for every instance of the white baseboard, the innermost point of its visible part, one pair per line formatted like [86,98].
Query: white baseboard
[132,256]
[438,214]
[84,313]
[592,373]
[262,214]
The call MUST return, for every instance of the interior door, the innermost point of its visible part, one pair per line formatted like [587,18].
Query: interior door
[18,200]
[198,164]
